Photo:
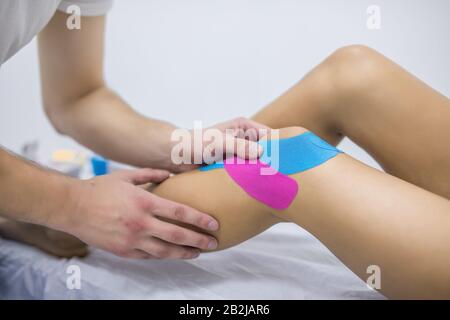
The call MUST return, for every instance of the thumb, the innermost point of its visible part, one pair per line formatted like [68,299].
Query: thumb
[244,149]
[142,176]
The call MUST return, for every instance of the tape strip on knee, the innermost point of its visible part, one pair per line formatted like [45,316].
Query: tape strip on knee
[284,157]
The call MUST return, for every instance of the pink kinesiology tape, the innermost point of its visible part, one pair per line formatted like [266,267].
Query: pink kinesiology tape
[275,190]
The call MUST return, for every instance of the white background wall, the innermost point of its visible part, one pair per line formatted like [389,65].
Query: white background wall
[210,60]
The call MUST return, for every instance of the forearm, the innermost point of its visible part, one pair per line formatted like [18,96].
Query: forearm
[105,123]
[80,105]
[31,194]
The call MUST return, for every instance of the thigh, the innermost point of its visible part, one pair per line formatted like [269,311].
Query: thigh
[398,119]
[403,123]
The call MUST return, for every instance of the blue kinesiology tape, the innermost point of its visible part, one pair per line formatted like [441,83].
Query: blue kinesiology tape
[296,154]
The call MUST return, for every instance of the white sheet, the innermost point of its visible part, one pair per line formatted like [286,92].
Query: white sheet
[285,262]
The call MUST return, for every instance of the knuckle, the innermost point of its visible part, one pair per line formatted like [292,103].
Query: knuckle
[201,221]
[201,242]
[180,213]
[177,236]
[144,203]
[162,253]
[135,225]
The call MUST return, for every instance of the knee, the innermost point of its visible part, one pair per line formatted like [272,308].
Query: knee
[353,51]
[291,131]
[353,68]
[286,132]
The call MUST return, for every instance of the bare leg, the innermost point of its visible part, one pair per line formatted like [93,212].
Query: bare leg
[51,241]
[399,120]
[364,216]
[403,124]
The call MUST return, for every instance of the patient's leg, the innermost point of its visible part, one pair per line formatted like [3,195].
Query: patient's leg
[364,216]
[51,241]
[213,192]
[398,119]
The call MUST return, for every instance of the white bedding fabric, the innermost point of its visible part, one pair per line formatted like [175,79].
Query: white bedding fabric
[285,262]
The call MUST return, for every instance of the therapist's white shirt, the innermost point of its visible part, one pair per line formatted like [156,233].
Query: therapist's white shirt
[21,20]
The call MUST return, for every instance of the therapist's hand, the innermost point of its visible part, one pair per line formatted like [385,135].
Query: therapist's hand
[240,137]
[113,213]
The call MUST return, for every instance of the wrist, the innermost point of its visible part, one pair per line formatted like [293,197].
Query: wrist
[66,204]
[159,139]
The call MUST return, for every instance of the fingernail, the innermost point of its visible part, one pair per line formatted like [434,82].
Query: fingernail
[191,254]
[213,225]
[212,244]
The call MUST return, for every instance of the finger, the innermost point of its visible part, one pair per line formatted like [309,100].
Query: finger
[138,254]
[142,176]
[248,124]
[172,233]
[245,124]
[178,212]
[242,148]
[247,134]
[143,255]
[160,249]
[256,125]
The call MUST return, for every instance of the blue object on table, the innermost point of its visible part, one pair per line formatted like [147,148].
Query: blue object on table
[99,165]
